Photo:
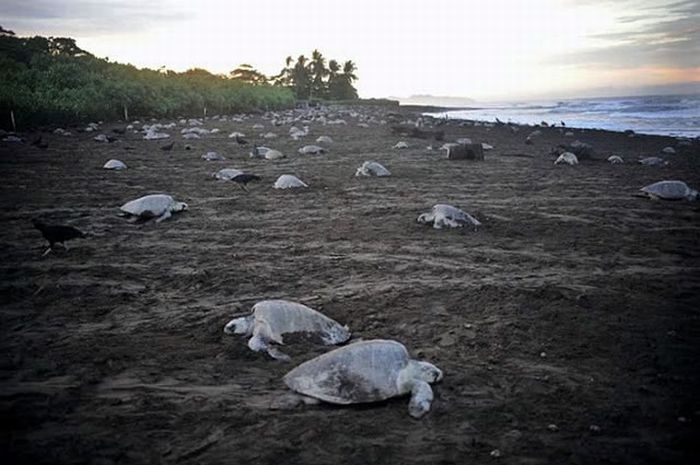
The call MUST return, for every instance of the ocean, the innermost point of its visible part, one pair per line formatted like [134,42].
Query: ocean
[673,115]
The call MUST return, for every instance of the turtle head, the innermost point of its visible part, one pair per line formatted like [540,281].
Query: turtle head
[425,371]
[179,207]
[241,325]
[425,218]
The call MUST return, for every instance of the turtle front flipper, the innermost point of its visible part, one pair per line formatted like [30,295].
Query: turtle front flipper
[277,354]
[421,399]
[166,214]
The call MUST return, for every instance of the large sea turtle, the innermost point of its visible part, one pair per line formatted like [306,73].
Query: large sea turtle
[443,215]
[160,206]
[367,371]
[272,319]
[372,168]
[669,190]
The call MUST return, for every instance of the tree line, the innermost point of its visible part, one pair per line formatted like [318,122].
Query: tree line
[53,81]
[312,78]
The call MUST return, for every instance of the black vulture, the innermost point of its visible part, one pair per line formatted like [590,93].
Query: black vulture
[57,233]
[245,178]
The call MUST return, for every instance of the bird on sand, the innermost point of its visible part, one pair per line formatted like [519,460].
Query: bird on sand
[240,140]
[57,234]
[168,147]
[245,178]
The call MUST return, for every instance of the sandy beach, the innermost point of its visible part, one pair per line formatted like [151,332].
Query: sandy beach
[566,326]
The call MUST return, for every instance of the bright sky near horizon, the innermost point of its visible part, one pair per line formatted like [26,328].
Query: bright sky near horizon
[483,49]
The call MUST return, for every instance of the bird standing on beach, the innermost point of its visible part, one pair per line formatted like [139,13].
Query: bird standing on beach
[245,178]
[240,140]
[57,234]
[168,147]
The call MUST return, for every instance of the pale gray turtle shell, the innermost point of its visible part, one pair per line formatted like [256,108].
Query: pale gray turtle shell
[114,165]
[287,181]
[568,158]
[653,161]
[372,168]
[366,371]
[153,205]
[443,215]
[670,190]
[227,174]
[213,156]
[311,150]
[280,317]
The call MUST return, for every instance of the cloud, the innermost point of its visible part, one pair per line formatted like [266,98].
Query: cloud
[657,34]
[88,17]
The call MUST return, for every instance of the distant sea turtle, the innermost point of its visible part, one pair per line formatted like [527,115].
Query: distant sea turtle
[311,150]
[669,190]
[401,145]
[615,159]
[213,156]
[443,215]
[568,158]
[653,161]
[272,319]
[372,168]
[227,174]
[287,181]
[114,165]
[367,371]
[158,206]
[324,140]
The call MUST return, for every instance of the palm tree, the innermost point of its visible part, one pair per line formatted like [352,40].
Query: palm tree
[318,71]
[301,79]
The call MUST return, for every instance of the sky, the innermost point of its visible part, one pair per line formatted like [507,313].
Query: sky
[481,49]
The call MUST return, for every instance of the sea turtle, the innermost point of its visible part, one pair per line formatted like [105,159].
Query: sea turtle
[367,371]
[568,158]
[311,150]
[272,319]
[669,190]
[443,215]
[372,168]
[227,174]
[615,159]
[160,206]
[668,151]
[287,181]
[653,161]
[213,156]
[324,140]
[114,165]
[401,145]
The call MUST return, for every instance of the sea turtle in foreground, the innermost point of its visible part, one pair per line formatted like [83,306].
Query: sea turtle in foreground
[372,168]
[158,206]
[287,181]
[367,371]
[669,190]
[272,319]
[443,215]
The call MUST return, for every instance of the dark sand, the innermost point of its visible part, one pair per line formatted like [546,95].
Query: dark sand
[576,304]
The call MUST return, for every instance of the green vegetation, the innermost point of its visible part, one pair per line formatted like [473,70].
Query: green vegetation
[53,81]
